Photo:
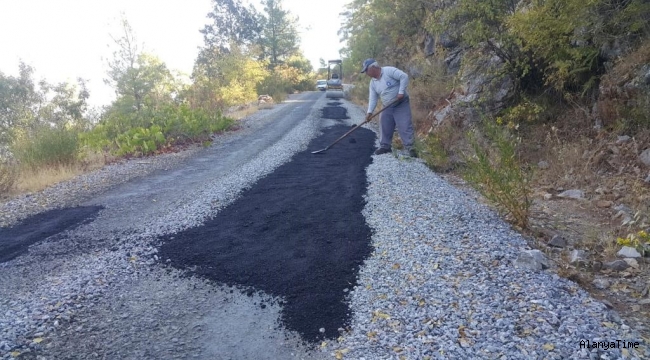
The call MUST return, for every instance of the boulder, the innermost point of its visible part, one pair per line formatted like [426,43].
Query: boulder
[577,257]
[628,252]
[644,157]
[532,259]
[617,265]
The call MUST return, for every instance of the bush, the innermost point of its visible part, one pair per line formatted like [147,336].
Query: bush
[156,128]
[494,170]
[47,147]
[275,86]
[8,176]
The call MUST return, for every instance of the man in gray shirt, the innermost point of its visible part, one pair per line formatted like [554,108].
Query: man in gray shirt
[389,84]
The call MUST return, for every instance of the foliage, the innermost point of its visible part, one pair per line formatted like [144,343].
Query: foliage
[140,141]
[494,169]
[553,31]
[279,36]
[47,146]
[370,26]
[437,153]
[8,176]
[139,79]
[256,55]
[544,45]
[19,97]
[232,22]
[230,78]
[525,111]
[26,105]
[154,129]
[639,240]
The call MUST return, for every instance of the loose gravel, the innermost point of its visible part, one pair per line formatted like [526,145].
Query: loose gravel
[440,284]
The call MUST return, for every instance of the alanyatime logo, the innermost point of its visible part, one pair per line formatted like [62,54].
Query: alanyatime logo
[606,345]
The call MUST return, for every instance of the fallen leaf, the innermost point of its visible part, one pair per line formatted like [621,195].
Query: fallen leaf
[340,353]
[323,344]
[14,353]
[397,349]
[548,347]
[38,340]
[396,266]
[435,266]
[380,314]
[609,324]
[461,331]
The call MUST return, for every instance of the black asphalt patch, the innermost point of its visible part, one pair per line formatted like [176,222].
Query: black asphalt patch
[297,234]
[15,240]
[334,112]
[334,103]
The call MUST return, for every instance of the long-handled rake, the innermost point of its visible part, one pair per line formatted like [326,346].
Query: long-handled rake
[356,127]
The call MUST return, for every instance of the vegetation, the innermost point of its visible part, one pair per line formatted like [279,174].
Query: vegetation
[494,169]
[49,128]
[560,56]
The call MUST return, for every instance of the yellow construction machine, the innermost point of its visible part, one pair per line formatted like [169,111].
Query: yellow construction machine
[335,79]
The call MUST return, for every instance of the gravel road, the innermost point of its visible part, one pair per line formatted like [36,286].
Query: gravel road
[439,283]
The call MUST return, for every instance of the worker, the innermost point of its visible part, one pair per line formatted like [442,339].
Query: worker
[389,84]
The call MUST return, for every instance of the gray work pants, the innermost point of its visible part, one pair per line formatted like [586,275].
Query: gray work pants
[399,116]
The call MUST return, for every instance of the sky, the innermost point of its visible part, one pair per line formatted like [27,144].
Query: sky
[67,39]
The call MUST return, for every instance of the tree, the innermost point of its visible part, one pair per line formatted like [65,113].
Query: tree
[279,36]
[24,104]
[19,102]
[227,79]
[138,78]
[382,29]
[67,106]
[232,22]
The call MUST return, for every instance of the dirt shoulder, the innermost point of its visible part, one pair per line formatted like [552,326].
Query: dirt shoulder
[562,227]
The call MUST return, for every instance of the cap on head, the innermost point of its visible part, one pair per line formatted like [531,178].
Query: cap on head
[367,63]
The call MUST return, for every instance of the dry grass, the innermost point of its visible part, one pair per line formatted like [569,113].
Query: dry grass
[33,180]
[8,175]
[245,111]
[601,242]
[30,180]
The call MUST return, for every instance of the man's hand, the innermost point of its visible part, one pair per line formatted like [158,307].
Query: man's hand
[400,97]
[368,116]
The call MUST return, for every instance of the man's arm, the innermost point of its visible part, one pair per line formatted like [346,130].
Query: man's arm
[372,99]
[403,79]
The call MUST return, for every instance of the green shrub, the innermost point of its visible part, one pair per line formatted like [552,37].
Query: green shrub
[140,141]
[635,113]
[275,86]
[8,176]
[437,150]
[169,125]
[47,146]
[494,170]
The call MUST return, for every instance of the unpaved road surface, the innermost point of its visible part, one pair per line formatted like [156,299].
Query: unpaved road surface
[114,276]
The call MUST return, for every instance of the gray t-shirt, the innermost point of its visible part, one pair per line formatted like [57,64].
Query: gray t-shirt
[392,82]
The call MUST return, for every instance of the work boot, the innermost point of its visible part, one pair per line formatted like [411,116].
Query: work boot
[381,151]
[413,153]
